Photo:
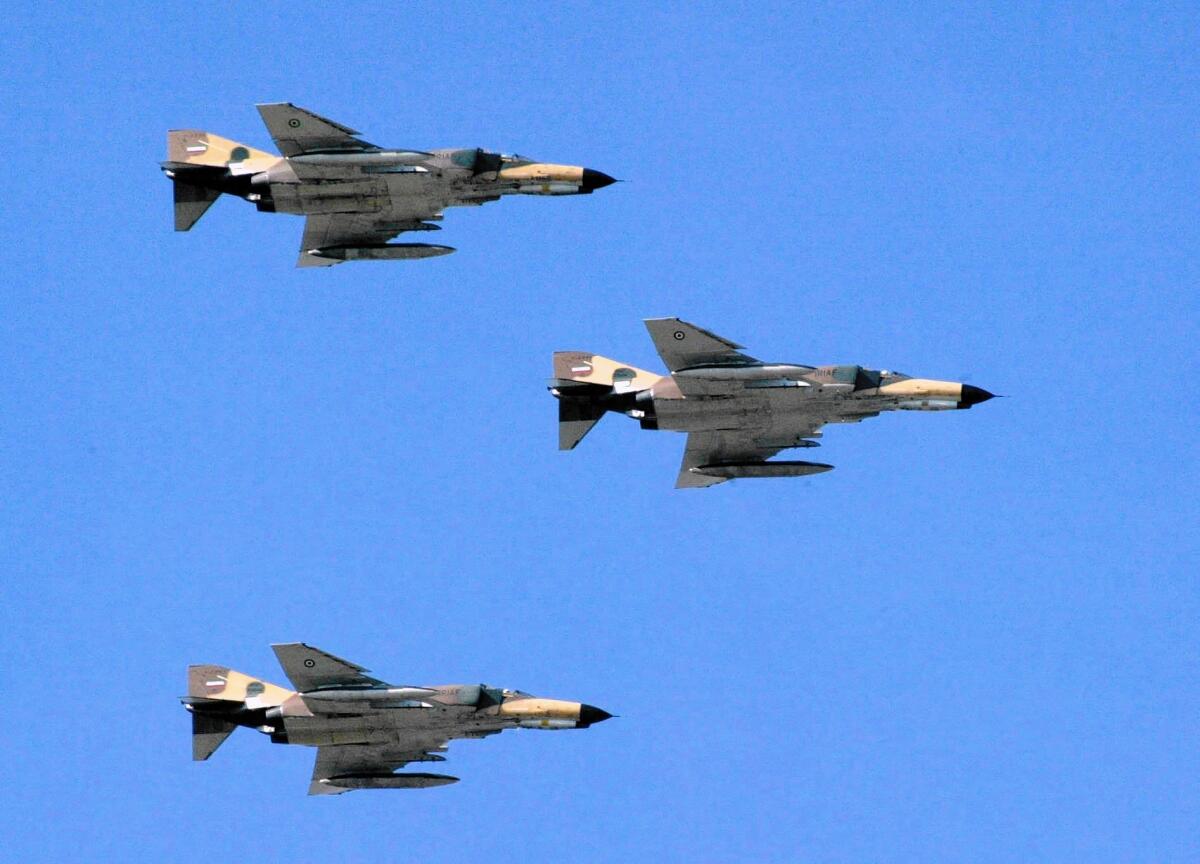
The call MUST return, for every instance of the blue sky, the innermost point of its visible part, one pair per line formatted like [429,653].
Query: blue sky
[974,640]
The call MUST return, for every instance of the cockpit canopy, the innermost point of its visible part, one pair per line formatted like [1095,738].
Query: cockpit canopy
[483,696]
[862,378]
[480,161]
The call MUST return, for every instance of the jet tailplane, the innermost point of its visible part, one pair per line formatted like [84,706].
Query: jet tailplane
[588,385]
[576,417]
[220,699]
[209,733]
[191,202]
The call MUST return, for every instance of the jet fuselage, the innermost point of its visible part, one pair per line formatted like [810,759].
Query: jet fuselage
[737,411]
[356,196]
[376,715]
[378,181]
[765,395]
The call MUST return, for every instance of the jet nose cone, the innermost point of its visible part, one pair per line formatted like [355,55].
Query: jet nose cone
[593,180]
[973,396]
[589,714]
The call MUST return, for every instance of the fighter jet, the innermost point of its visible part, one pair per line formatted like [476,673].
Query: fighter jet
[738,411]
[363,728]
[356,196]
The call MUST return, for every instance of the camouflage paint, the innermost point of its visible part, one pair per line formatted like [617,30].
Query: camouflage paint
[363,728]
[357,196]
[738,411]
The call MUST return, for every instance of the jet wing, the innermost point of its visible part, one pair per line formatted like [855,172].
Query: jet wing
[310,668]
[707,448]
[682,345]
[297,131]
[714,457]
[342,767]
[357,229]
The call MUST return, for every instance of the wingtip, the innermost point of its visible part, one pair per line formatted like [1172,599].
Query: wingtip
[693,479]
[306,260]
[322,787]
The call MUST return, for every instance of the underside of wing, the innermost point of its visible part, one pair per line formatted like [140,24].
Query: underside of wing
[714,457]
[331,238]
[682,345]
[310,668]
[708,448]
[343,767]
[297,131]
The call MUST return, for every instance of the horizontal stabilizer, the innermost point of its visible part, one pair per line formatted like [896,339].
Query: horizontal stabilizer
[208,733]
[576,417]
[191,202]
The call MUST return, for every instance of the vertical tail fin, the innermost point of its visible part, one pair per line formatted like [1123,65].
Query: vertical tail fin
[586,385]
[209,683]
[198,161]
[197,147]
[582,368]
[218,697]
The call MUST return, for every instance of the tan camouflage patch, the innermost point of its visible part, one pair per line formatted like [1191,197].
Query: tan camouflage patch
[595,369]
[540,708]
[920,387]
[196,147]
[219,682]
[543,172]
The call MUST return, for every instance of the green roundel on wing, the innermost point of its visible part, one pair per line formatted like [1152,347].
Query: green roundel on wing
[239,154]
[623,374]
